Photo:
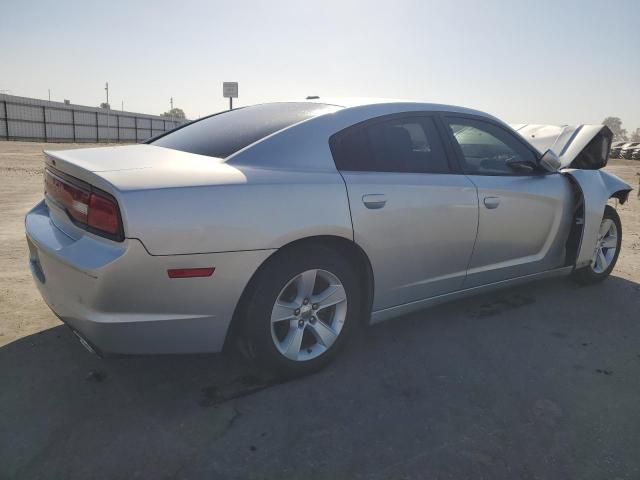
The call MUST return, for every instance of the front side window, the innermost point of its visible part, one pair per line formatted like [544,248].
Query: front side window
[486,148]
[403,145]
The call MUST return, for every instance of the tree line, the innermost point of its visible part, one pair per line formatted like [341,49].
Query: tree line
[620,134]
[173,113]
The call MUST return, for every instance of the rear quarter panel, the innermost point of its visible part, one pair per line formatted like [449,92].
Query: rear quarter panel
[264,209]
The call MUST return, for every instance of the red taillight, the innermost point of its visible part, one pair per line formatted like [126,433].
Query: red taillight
[74,199]
[88,208]
[190,272]
[103,214]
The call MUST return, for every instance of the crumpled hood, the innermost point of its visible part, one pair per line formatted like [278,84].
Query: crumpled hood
[577,146]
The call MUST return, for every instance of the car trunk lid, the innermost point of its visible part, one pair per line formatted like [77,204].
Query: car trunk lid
[141,167]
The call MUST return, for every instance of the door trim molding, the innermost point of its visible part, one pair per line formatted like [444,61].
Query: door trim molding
[392,312]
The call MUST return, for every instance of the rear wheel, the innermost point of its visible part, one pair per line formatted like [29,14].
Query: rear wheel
[607,249]
[303,307]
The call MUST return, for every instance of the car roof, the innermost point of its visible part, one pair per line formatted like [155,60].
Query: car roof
[304,145]
[393,103]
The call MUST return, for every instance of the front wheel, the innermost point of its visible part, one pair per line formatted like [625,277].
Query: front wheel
[304,306]
[607,249]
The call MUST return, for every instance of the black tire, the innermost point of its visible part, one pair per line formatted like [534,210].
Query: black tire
[587,275]
[265,289]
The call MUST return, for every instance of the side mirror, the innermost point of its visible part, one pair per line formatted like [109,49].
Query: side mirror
[550,161]
[522,166]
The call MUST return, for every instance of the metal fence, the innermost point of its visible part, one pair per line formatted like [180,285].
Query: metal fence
[31,119]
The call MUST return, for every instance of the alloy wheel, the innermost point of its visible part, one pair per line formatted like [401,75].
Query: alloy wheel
[606,246]
[308,315]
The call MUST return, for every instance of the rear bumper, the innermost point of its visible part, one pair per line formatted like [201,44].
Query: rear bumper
[121,300]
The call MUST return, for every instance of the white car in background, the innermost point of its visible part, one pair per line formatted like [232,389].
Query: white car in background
[628,150]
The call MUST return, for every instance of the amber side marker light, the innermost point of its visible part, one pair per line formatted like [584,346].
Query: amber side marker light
[190,272]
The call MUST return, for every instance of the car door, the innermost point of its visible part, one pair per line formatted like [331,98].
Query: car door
[412,214]
[524,212]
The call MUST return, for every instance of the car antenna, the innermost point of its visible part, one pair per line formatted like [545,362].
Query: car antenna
[312,97]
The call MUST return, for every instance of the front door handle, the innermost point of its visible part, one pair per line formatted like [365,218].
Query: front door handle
[374,201]
[491,202]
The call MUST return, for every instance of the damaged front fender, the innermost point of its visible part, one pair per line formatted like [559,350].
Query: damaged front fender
[597,188]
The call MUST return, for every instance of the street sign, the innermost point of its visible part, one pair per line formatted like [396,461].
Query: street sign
[230,89]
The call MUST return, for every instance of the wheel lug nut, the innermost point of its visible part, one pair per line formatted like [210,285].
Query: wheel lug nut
[297,311]
[315,306]
[300,323]
[305,301]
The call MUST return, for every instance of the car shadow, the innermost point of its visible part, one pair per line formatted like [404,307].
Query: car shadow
[68,412]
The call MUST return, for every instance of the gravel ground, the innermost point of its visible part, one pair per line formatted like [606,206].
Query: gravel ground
[540,381]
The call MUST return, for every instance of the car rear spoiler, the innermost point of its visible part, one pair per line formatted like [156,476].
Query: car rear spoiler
[578,146]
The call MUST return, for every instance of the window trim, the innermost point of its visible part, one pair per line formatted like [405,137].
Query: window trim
[444,141]
[459,155]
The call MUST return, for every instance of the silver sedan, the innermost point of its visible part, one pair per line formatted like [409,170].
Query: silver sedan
[284,227]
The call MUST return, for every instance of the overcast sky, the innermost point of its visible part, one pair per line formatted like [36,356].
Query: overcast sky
[549,61]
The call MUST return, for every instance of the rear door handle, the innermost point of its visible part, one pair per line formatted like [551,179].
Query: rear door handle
[374,201]
[491,202]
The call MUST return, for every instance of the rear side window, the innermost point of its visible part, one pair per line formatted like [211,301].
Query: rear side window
[223,134]
[403,145]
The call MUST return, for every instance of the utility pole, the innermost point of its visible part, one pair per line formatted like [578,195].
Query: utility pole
[123,105]
[106,87]
[49,90]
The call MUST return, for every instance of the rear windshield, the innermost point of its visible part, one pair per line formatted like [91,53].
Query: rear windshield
[223,134]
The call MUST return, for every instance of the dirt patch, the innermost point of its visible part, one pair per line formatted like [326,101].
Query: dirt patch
[22,311]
